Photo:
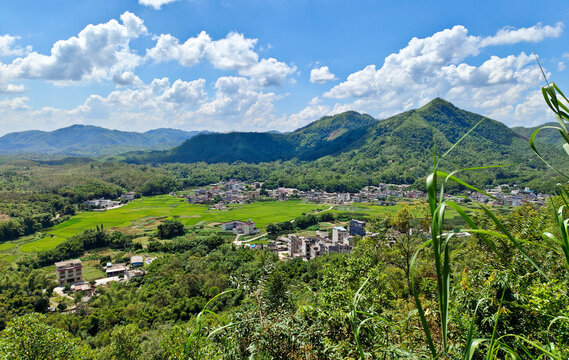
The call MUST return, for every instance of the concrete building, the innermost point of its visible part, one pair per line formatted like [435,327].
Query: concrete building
[294,246]
[69,272]
[128,196]
[357,227]
[136,261]
[240,227]
[311,247]
[339,233]
[115,270]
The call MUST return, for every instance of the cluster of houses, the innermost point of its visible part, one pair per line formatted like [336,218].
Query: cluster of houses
[103,204]
[71,272]
[309,247]
[384,194]
[223,193]
[238,192]
[506,195]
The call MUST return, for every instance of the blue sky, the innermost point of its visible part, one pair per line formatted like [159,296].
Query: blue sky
[262,65]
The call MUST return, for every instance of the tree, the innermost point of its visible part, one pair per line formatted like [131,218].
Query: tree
[125,342]
[28,337]
[403,239]
[275,291]
[170,229]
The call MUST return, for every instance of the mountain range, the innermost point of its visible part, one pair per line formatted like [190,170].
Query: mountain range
[88,140]
[402,145]
[350,136]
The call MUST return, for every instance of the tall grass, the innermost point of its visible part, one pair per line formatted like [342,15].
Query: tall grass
[496,346]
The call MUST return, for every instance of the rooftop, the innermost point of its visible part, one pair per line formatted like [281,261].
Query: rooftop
[68,263]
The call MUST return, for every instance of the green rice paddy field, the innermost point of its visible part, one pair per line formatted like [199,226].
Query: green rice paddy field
[143,215]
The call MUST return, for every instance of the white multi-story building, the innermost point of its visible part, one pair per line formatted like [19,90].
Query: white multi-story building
[69,272]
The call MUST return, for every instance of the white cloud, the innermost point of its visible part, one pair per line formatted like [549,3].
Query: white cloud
[321,75]
[561,66]
[434,66]
[156,4]
[97,52]
[234,52]
[238,99]
[169,48]
[17,103]
[127,78]
[535,33]
[7,47]
[269,72]
[312,112]
[184,92]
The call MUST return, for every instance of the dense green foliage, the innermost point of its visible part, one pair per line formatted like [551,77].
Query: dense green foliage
[77,245]
[323,137]
[170,229]
[546,136]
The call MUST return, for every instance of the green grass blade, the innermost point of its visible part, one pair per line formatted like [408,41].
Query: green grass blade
[472,345]
[422,316]
[458,181]
[463,136]
[512,239]
[534,148]
[472,224]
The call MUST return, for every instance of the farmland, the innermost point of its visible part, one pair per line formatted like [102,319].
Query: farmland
[140,217]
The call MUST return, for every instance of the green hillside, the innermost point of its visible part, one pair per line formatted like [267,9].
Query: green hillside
[326,136]
[350,150]
[545,136]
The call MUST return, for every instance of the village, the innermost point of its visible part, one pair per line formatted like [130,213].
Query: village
[338,239]
[239,192]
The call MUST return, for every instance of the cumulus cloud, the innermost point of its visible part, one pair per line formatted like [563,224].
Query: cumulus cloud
[7,47]
[234,52]
[237,98]
[169,48]
[97,52]
[156,4]
[310,113]
[127,78]
[184,92]
[321,75]
[269,72]
[159,96]
[435,66]
[561,66]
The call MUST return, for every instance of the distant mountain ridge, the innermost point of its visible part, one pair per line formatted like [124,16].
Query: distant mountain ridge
[545,136]
[404,137]
[89,140]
